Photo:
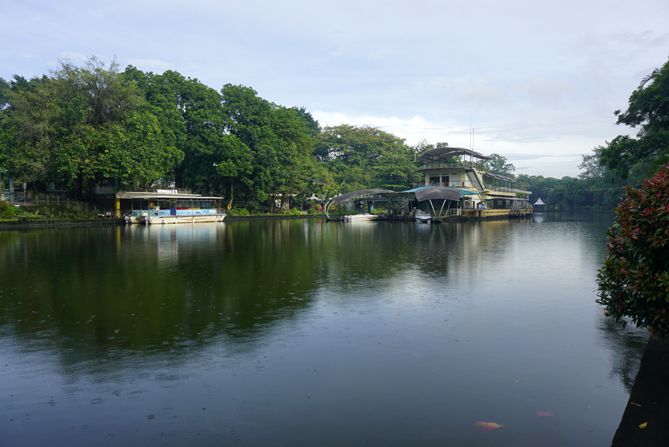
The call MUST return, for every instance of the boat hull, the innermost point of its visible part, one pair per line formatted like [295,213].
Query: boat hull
[360,217]
[163,220]
[423,217]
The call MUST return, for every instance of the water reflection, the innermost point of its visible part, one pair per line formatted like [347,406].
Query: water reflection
[174,287]
[460,320]
[150,289]
[626,346]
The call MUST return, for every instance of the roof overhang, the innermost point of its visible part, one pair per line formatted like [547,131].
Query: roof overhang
[436,193]
[362,194]
[140,195]
[441,153]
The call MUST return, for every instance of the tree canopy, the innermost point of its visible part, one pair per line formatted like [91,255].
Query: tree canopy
[366,157]
[82,126]
[647,111]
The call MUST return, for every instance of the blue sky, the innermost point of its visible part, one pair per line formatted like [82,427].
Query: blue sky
[538,81]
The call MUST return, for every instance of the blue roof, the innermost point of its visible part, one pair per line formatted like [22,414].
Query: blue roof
[418,188]
[466,192]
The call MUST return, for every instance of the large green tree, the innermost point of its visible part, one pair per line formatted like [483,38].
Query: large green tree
[366,157]
[647,111]
[498,164]
[281,144]
[81,126]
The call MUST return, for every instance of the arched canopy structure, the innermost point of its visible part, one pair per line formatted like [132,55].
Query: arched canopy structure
[419,194]
[446,154]
[361,194]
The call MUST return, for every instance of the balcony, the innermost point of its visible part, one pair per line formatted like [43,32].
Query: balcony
[450,165]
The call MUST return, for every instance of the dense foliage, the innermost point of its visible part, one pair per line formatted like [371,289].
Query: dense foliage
[634,281]
[95,125]
[648,110]
[366,157]
[82,125]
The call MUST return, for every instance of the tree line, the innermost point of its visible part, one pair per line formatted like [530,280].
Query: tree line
[82,126]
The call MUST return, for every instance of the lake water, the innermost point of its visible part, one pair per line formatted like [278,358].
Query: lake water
[306,333]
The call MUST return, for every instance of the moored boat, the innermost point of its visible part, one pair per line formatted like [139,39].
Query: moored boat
[135,216]
[168,206]
[360,217]
[423,217]
[174,216]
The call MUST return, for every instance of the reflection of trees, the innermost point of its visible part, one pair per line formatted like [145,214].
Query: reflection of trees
[627,347]
[97,290]
[89,292]
[162,288]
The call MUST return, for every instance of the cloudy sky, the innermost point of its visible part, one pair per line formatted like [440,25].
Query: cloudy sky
[537,80]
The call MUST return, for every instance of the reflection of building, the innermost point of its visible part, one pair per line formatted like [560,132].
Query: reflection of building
[483,194]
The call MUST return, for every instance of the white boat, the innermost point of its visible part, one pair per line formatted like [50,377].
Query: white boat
[135,217]
[360,217]
[423,217]
[168,206]
[174,216]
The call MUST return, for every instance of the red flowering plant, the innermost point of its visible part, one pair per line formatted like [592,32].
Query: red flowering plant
[634,281]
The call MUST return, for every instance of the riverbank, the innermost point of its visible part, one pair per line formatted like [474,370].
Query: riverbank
[19,224]
[27,224]
[646,418]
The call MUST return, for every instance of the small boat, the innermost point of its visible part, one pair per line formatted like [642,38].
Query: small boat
[135,217]
[423,217]
[360,217]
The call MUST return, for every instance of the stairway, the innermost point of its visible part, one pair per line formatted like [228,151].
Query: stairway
[477,181]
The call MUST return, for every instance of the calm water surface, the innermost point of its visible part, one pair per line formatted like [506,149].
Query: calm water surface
[303,333]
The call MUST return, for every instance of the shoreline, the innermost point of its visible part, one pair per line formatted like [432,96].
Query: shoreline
[65,223]
[648,402]
[62,223]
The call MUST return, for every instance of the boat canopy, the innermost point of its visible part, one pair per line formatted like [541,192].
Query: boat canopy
[361,194]
[539,202]
[442,154]
[424,193]
[141,195]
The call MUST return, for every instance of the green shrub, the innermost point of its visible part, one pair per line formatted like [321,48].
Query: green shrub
[253,206]
[292,212]
[7,210]
[634,281]
[238,212]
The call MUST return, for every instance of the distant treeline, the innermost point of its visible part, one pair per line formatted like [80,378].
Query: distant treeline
[89,125]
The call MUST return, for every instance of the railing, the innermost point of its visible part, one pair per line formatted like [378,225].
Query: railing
[464,164]
[52,200]
[466,184]
[506,189]
[13,196]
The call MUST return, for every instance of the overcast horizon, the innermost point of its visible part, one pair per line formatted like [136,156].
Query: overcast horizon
[538,82]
